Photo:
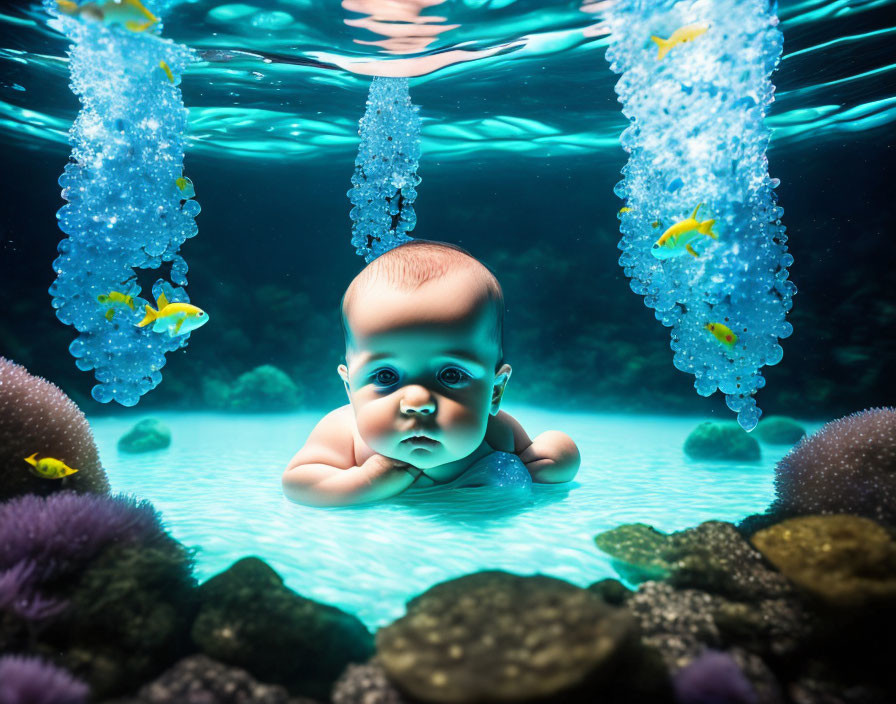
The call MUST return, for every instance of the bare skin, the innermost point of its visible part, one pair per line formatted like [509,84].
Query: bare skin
[425,390]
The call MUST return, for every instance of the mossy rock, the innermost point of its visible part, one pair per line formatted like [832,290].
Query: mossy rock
[635,549]
[844,561]
[780,430]
[248,618]
[725,440]
[499,637]
[146,436]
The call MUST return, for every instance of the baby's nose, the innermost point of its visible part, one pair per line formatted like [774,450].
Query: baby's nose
[416,399]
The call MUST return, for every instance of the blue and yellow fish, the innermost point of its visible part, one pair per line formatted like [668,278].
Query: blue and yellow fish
[722,333]
[682,35]
[113,299]
[174,318]
[676,240]
[130,14]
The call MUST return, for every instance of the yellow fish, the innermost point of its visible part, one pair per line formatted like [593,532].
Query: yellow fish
[167,69]
[682,35]
[624,209]
[722,333]
[49,467]
[186,187]
[112,298]
[677,239]
[130,14]
[174,318]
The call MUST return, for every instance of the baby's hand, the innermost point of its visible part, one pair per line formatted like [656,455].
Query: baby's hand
[378,466]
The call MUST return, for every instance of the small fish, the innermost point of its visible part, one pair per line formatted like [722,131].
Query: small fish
[167,69]
[114,298]
[624,209]
[186,187]
[682,35]
[130,14]
[49,467]
[174,318]
[655,224]
[676,240]
[722,333]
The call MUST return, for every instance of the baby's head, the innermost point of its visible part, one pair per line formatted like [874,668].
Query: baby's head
[423,328]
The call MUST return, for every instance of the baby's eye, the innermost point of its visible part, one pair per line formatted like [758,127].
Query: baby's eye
[385,377]
[452,376]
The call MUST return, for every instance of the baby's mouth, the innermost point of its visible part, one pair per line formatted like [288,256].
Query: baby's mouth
[419,440]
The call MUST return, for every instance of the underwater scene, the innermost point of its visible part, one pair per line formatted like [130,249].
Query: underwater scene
[447,352]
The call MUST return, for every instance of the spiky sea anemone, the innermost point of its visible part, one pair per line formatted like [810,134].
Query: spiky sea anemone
[37,416]
[27,680]
[849,466]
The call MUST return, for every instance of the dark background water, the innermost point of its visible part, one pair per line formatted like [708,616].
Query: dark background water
[273,257]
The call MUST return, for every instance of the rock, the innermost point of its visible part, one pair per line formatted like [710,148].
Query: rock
[199,679]
[849,466]
[635,549]
[249,619]
[780,430]
[676,622]
[611,591]
[499,637]
[845,561]
[147,435]
[777,629]
[265,388]
[724,440]
[366,684]
[715,558]
[37,416]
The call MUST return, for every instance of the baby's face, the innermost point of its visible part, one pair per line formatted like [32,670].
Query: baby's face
[421,372]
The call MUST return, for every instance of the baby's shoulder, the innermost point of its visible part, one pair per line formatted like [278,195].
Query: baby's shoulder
[333,437]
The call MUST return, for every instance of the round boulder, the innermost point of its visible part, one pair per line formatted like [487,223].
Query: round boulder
[724,440]
[499,637]
[844,561]
[147,435]
[780,430]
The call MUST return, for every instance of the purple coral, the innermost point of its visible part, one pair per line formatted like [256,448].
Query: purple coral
[37,416]
[26,680]
[849,466]
[43,539]
[713,678]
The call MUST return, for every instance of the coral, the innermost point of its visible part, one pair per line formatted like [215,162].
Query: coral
[36,416]
[124,209]
[147,435]
[713,678]
[849,466]
[504,637]
[384,185]
[697,138]
[635,549]
[265,388]
[247,608]
[113,592]
[28,680]
[844,561]
[780,430]
[721,441]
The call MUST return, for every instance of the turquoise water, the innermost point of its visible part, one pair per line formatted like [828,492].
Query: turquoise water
[218,488]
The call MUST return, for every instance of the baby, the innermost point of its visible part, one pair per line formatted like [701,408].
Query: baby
[424,375]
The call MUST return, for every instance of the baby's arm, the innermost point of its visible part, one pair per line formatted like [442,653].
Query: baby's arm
[324,473]
[551,458]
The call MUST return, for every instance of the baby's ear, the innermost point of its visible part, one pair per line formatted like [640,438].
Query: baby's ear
[502,376]
[342,370]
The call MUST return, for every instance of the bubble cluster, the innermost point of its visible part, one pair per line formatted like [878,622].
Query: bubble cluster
[125,210]
[697,135]
[384,185]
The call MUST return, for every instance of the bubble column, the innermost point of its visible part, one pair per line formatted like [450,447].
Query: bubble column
[125,209]
[697,136]
[384,184]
